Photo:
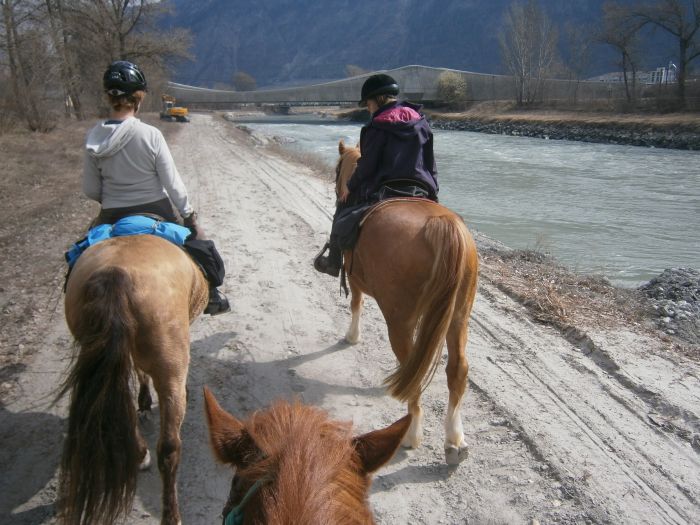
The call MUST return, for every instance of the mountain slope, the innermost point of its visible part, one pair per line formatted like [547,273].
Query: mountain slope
[294,41]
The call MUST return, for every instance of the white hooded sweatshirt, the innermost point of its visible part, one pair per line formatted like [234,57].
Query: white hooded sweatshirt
[128,164]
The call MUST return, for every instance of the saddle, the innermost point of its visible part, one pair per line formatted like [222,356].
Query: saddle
[349,220]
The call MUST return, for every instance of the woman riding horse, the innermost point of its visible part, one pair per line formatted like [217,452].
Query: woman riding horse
[397,160]
[129,170]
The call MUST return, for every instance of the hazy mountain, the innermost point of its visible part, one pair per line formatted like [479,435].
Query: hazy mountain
[295,41]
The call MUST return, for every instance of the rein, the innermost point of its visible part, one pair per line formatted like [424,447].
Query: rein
[235,517]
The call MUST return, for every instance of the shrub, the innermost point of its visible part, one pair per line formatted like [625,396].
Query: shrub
[452,88]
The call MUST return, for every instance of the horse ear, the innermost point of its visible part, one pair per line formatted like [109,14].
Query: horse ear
[341,147]
[225,431]
[377,447]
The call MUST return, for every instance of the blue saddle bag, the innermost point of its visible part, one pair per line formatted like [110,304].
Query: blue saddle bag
[132,225]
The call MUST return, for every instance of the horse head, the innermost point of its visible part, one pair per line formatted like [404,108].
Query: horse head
[345,166]
[296,465]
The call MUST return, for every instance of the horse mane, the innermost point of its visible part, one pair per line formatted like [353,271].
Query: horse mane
[316,475]
[345,170]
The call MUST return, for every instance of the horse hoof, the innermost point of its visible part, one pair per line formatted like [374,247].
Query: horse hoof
[455,455]
[353,340]
[146,461]
[410,442]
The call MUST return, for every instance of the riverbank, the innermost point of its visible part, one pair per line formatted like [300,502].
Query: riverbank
[677,136]
[674,131]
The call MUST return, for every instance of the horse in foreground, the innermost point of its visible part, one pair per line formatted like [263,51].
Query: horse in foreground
[129,304]
[294,465]
[419,262]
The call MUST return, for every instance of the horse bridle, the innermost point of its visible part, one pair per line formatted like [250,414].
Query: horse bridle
[235,515]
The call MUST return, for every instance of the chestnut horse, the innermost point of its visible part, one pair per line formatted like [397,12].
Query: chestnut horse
[419,262]
[295,465]
[129,304]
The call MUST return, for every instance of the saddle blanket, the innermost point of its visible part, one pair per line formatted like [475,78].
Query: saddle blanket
[132,225]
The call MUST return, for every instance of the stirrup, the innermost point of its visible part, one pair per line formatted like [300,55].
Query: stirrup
[323,250]
[218,303]
[324,265]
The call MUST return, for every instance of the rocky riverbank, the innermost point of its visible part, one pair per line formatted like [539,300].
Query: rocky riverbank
[675,297]
[676,137]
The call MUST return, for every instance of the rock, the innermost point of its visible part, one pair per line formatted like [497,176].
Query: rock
[675,298]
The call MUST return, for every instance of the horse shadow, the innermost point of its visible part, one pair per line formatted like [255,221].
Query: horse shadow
[244,385]
[29,459]
[429,473]
[245,370]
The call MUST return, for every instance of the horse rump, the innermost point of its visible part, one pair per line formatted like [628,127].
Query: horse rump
[449,240]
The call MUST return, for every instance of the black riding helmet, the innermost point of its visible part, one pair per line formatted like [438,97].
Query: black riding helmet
[376,85]
[123,78]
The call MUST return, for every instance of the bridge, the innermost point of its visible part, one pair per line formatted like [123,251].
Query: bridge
[417,83]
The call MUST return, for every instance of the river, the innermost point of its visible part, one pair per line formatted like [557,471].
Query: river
[624,212]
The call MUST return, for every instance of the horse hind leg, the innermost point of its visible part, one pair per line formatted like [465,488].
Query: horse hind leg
[172,398]
[400,336]
[145,402]
[414,435]
[457,371]
[352,336]
[145,399]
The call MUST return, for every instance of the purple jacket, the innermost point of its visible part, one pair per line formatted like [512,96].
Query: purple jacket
[396,144]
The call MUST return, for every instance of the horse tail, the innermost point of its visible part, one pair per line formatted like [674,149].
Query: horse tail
[101,454]
[451,244]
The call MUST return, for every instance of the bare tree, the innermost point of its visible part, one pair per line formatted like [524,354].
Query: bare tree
[351,70]
[60,32]
[528,45]
[21,47]
[681,18]
[101,31]
[622,33]
[578,41]
[242,81]
[56,51]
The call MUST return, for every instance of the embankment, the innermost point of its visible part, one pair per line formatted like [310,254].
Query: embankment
[682,135]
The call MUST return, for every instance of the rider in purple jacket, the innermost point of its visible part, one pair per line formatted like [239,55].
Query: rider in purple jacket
[397,159]
[396,144]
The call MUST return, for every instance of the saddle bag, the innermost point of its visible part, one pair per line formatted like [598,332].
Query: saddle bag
[207,257]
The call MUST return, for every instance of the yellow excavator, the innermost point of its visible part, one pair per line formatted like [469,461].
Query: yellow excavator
[171,111]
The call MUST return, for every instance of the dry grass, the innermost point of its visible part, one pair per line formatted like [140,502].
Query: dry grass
[506,112]
[573,304]
[319,167]
[558,296]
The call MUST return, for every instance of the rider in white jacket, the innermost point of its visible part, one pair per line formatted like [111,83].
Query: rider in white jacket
[129,170]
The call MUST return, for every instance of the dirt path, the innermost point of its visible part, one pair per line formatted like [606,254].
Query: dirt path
[559,432]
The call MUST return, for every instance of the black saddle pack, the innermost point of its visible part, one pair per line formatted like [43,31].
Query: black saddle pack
[207,257]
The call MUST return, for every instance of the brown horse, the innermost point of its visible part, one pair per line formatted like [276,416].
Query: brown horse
[295,465]
[419,262]
[129,304]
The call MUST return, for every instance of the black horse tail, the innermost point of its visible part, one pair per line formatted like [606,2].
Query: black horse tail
[102,452]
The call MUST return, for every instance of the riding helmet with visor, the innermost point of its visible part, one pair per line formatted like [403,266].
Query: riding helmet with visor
[123,78]
[376,85]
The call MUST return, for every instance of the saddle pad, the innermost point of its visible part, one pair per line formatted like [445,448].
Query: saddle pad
[132,225]
[386,202]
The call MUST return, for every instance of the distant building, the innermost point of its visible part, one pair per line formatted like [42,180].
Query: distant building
[661,75]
